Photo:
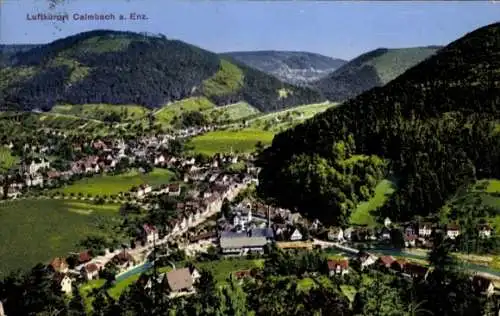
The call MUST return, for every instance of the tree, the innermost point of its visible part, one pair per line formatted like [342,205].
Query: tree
[226,208]
[76,306]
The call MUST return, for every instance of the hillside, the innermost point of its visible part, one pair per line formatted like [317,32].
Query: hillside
[422,125]
[7,52]
[288,66]
[372,69]
[112,67]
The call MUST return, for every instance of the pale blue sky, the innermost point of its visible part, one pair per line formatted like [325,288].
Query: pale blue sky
[338,29]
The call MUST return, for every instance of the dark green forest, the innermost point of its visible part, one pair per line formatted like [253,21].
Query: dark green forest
[434,126]
[129,68]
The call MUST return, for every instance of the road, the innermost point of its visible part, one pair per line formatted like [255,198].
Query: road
[471,267]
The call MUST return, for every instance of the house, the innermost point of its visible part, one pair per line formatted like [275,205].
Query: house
[425,229]
[180,280]
[399,265]
[35,165]
[240,243]
[410,230]
[452,231]
[348,233]
[123,260]
[296,235]
[150,233]
[336,234]
[415,270]
[84,257]
[338,267]
[366,259]
[59,265]
[385,234]
[64,281]
[159,160]
[195,275]
[90,271]
[386,261]
[387,222]
[410,240]
[143,190]
[174,190]
[482,285]
[242,218]
[484,231]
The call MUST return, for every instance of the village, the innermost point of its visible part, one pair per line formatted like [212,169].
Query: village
[203,194]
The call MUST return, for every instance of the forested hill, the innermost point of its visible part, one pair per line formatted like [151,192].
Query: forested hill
[7,51]
[372,69]
[129,68]
[434,124]
[289,66]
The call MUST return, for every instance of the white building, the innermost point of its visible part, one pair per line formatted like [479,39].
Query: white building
[296,235]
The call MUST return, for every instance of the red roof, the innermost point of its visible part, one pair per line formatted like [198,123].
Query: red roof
[333,264]
[387,260]
[173,187]
[91,267]
[149,228]
[84,256]
[242,274]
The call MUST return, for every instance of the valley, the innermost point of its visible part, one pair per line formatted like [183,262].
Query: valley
[143,175]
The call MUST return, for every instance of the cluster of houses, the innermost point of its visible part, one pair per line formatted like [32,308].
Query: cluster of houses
[105,155]
[189,213]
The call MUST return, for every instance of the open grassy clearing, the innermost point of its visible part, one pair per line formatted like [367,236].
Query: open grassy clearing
[38,230]
[166,114]
[362,214]
[237,141]
[222,269]
[6,159]
[487,191]
[227,80]
[101,111]
[114,184]
[232,112]
[278,121]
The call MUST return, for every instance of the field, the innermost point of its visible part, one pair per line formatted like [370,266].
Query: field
[37,230]
[221,269]
[227,80]
[361,215]
[6,159]
[238,141]
[232,112]
[114,184]
[278,121]
[487,191]
[102,111]
[166,114]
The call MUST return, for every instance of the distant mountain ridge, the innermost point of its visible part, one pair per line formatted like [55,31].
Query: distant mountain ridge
[294,67]
[372,69]
[117,67]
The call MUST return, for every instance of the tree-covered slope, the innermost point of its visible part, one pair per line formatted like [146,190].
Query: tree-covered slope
[434,125]
[128,68]
[372,69]
[289,66]
[8,51]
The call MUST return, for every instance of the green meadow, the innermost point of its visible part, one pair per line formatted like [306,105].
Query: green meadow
[36,230]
